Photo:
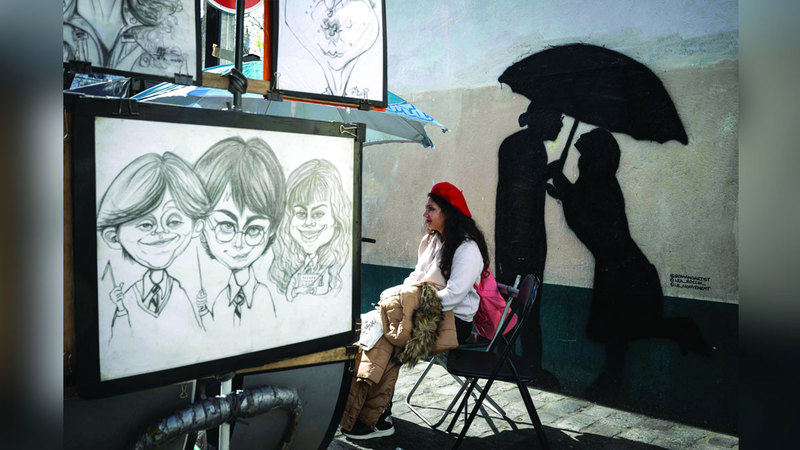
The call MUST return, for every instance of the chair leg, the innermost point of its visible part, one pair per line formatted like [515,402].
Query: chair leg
[416,385]
[436,360]
[474,412]
[462,406]
[440,360]
[491,403]
[537,424]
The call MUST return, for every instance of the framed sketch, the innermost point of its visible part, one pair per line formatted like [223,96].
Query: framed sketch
[154,40]
[207,241]
[331,50]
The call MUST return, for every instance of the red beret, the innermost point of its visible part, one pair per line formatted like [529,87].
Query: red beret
[453,195]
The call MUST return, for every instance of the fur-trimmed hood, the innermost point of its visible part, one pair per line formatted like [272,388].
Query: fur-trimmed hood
[425,320]
[411,315]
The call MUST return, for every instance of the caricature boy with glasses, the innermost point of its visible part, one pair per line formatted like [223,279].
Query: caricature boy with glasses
[245,185]
[225,231]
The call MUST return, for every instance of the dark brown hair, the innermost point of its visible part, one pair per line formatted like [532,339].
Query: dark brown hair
[458,228]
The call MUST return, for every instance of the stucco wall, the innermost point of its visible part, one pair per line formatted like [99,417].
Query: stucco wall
[681,201]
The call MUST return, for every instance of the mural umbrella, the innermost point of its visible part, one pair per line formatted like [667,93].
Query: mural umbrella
[401,122]
[598,86]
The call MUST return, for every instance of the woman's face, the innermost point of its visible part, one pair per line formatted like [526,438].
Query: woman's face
[434,216]
[312,225]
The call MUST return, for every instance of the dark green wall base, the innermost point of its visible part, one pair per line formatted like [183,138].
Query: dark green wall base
[658,380]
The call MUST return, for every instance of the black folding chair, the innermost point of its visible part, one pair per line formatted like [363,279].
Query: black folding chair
[509,293]
[499,364]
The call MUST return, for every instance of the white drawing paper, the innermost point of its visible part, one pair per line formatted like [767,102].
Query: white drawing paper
[190,221]
[154,37]
[332,47]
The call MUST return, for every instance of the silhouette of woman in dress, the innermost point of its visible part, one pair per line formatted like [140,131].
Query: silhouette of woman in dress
[627,300]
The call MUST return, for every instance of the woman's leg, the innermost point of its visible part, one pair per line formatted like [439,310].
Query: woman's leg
[463,330]
[379,396]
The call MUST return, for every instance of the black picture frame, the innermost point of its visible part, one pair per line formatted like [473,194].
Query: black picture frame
[129,44]
[308,72]
[91,116]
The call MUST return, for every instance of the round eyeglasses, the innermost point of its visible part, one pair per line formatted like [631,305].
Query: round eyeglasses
[226,231]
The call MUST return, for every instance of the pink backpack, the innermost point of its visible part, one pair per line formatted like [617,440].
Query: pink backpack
[491,307]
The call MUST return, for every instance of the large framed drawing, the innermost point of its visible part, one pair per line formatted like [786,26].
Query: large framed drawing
[331,50]
[207,241]
[154,40]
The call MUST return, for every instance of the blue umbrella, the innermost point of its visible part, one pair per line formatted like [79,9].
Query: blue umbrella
[401,122]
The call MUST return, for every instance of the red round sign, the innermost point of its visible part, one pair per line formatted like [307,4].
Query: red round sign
[230,5]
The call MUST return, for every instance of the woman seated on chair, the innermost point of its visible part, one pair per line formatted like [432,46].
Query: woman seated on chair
[452,256]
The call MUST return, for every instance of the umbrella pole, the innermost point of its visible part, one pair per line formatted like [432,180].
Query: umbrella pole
[564,152]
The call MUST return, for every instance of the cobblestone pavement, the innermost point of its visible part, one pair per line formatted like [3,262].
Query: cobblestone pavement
[569,423]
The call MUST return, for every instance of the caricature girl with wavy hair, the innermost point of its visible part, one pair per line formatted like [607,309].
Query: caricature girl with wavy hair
[314,241]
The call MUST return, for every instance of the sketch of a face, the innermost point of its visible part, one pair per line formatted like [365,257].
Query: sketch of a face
[335,32]
[312,225]
[155,239]
[236,237]
[126,35]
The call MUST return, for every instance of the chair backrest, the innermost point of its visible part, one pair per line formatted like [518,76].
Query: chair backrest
[509,293]
[525,298]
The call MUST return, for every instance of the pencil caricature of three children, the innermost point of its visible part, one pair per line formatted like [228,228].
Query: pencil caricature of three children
[236,202]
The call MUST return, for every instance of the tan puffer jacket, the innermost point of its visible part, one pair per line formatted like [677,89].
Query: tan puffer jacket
[397,306]
[410,316]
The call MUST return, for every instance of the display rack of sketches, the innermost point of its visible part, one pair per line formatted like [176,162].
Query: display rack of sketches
[205,242]
[147,40]
[331,51]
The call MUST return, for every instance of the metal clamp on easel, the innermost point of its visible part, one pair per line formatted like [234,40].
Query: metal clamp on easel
[357,130]
[183,78]
[273,94]
[364,105]
[132,106]
[221,53]
[349,128]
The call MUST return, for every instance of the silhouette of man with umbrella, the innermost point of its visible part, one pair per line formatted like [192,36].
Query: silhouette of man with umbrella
[520,240]
[607,89]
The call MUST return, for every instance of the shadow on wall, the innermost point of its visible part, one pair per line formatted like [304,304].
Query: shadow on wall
[616,93]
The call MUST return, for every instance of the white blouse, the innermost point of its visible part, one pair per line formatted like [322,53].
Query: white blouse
[458,293]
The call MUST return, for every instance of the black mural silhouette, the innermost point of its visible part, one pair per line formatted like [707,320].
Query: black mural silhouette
[598,86]
[627,300]
[520,240]
[607,89]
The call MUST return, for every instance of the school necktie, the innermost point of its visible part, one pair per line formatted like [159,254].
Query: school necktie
[153,296]
[238,301]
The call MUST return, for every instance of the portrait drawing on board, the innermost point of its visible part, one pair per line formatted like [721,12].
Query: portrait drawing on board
[215,242]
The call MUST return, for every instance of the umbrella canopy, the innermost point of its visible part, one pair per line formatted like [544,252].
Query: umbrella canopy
[598,86]
[401,122]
